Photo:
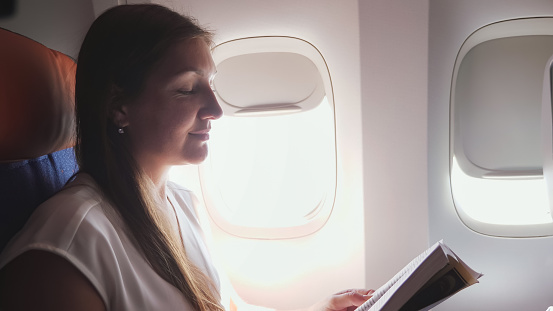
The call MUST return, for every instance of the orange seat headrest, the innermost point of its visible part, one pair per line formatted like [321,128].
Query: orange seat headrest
[37,105]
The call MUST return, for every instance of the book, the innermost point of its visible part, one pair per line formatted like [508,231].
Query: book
[425,282]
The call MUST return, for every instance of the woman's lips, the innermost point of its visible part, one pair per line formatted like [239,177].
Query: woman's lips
[200,134]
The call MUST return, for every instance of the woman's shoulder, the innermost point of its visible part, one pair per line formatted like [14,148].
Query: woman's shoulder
[66,220]
[79,203]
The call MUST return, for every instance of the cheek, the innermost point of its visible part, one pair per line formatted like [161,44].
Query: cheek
[172,127]
[160,124]
[164,117]
[179,121]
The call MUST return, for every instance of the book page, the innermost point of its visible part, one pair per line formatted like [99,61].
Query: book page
[426,281]
[388,289]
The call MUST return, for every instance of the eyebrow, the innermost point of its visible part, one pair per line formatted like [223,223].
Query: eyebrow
[193,70]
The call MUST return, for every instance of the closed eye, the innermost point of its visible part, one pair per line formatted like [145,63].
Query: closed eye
[186,92]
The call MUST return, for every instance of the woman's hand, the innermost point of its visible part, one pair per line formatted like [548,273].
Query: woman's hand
[346,300]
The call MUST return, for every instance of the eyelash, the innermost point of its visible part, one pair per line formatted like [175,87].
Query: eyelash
[193,91]
[183,92]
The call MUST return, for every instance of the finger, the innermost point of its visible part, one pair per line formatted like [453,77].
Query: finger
[370,293]
[366,293]
[350,298]
[361,291]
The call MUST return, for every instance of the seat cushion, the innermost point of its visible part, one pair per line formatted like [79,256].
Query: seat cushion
[26,184]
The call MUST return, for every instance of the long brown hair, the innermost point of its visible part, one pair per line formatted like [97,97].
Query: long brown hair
[119,51]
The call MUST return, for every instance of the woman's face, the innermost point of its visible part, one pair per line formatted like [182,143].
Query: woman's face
[169,122]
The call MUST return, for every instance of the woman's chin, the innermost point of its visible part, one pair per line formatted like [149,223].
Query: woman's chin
[193,159]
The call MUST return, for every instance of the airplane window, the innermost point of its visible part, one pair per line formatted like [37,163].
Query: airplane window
[271,170]
[496,132]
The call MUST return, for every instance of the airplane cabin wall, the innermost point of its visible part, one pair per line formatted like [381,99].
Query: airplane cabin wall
[58,24]
[394,51]
[518,272]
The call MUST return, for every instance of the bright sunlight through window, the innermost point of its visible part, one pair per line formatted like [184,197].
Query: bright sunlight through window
[270,175]
[499,201]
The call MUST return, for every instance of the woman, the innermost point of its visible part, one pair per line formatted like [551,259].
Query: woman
[120,236]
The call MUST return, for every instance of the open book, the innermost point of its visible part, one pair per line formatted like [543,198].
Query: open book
[425,282]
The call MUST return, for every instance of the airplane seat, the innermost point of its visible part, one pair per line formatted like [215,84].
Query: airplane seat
[36,127]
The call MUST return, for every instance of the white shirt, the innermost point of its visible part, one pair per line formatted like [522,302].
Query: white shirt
[77,225]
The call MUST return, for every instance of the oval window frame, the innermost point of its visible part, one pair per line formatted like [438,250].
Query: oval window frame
[319,216]
[501,29]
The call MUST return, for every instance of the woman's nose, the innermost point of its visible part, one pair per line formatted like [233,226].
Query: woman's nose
[212,109]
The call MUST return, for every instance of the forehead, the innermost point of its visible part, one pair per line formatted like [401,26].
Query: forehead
[192,55]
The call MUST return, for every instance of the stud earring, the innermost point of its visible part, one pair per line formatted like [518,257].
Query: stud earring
[120,130]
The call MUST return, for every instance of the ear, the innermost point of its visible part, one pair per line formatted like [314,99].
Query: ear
[118,108]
